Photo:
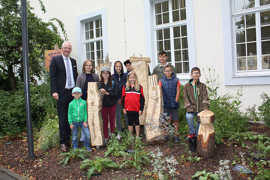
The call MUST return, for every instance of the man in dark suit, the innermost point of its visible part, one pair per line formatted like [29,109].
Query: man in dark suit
[63,74]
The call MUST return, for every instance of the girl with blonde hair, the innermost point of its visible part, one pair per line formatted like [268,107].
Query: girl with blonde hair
[133,102]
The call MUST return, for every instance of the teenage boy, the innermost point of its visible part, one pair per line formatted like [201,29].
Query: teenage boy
[195,101]
[158,70]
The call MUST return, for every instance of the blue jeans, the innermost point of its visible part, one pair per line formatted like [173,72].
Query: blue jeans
[118,117]
[190,120]
[85,132]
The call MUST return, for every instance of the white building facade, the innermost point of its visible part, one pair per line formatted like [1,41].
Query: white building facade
[230,37]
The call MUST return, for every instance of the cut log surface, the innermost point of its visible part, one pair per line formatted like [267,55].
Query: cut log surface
[140,66]
[153,131]
[206,134]
[94,116]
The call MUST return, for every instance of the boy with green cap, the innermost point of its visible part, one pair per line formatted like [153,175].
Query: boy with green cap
[77,117]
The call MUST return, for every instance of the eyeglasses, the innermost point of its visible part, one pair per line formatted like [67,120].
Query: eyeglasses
[88,65]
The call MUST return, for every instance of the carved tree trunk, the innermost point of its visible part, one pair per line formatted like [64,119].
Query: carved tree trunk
[153,131]
[206,134]
[140,66]
[95,123]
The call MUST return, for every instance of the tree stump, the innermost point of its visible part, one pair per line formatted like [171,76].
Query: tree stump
[153,131]
[206,134]
[94,105]
[140,66]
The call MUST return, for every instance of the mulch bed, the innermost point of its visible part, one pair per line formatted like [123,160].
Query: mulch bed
[14,156]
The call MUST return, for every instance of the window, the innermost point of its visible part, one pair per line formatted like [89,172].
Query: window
[93,39]
[171,34]
[251,36]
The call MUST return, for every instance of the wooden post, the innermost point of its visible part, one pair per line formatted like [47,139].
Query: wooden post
[94,104]
[153,131]
[206,134]
[140,66]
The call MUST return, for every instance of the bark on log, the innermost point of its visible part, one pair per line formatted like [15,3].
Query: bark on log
[206,134]
[140,66]
[153,131]
[94,116]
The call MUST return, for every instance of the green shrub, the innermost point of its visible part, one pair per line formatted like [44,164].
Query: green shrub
[228,117]
[264,109]
[48,136]
[13,112]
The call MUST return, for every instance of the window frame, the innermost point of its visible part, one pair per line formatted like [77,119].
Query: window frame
[151,29]
[232,77]
[81,21]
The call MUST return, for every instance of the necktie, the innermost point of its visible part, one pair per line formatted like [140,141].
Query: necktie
[68,73]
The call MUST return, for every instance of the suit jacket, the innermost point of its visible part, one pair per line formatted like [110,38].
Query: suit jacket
[58,74]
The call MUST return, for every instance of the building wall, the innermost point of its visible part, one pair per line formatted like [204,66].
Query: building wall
[127,25]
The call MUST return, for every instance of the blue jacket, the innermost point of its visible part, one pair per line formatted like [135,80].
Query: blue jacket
[120,81]
[169,90]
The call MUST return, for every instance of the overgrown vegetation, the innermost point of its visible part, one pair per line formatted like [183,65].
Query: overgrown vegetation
[81,154]
[97,165]
[264,109]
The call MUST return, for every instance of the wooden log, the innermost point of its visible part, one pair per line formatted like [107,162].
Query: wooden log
[206,134]
[95,122]
[140,66]
[153,131]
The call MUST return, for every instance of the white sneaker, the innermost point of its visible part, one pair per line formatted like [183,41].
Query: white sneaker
[118,136]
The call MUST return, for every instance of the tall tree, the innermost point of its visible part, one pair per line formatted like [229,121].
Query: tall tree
[41,36]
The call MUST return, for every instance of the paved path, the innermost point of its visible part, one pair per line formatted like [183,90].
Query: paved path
[8,175]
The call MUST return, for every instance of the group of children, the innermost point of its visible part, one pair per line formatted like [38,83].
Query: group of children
[121,91]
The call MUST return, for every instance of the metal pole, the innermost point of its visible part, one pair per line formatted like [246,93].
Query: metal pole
[26,80]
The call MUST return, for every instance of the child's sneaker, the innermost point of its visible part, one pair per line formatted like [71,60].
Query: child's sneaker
[89,149]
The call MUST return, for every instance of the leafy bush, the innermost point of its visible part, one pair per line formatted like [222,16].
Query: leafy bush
[73,154]
[264,109]
[228,117]
[49,134]
[97,165]
[13,112]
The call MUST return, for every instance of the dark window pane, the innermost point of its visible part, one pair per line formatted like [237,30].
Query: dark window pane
[160,46]
[91,25]
[92,56]
[177,44]
[184,30]
[159,35]
[167,45]
[166,33]
[185,55]
[178,67]
[175,4]
[185,67]
[177,56]
[250,20]
[176,31]
[158,19]
[176,16]
[87,35]
[266,47]
[91,34]
[87,47]
[92,46]
[165,6]
[265,31]
[239,22]
[88,55]
[101,44]
[251,34]
[169,56]
[241,64]
[97,24]
[266,62]
[183,14]
[264,2]
[98,45]
[251,49]
[241,49]
[87,26]
[184,43]
[158,8]
[165,18]
[182,3]
[240,36]
[265,17]
[252,63]
[98,33]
